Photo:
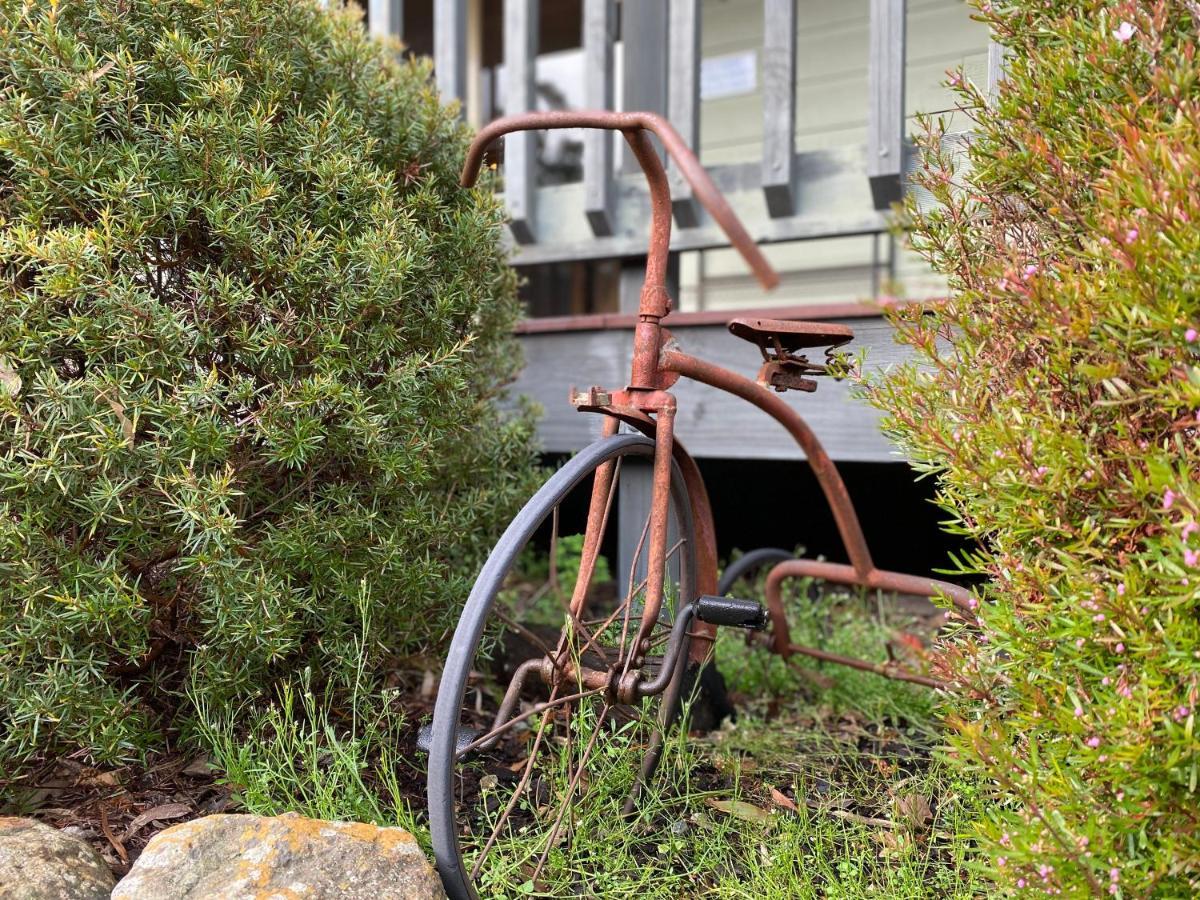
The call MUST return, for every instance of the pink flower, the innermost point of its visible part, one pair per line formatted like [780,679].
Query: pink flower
[1093,742]
[1124,32]
[1120,590]
[1190,557]
[1114,874]
[1120,648]
[972,603]
[1020,882]
[1078,711]
[1106,681]
[1080,642]
[1187,529]
[1190,335]
[1112,889]
[1031,270]
[1168,499]
[1002,861]
[1098,617]
[1131,235]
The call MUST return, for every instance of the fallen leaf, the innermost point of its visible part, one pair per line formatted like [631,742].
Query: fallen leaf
[198,767]
[10,381]
[779,798]
[914,809]
[111,778]
[740,809]
[156,814]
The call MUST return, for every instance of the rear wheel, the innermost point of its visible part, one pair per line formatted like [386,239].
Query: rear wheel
[548,719]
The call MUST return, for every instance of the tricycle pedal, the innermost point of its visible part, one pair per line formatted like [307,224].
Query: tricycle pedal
[731,611]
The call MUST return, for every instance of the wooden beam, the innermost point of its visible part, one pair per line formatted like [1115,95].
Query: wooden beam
[711,424]
[450,48]
[995,69]
[683,99]
[599,33]
[385,18]
[520,149]
[832,198]
[885,102]
[779,107]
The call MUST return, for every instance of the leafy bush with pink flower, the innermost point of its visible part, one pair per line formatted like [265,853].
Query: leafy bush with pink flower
[1057,398]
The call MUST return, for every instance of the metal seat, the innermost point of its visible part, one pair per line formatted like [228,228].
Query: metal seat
[777,334]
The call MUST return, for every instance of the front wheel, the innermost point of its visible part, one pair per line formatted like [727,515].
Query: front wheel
[549,720]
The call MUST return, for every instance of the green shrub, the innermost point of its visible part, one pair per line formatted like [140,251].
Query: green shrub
[1062,420]
[250,332]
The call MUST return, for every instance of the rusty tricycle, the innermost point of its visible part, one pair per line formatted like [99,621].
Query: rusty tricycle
[548,694]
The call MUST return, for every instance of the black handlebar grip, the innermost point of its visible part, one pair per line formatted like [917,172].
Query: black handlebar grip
[731,611]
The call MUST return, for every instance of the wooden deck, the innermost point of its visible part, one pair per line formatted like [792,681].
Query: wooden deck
[710,424]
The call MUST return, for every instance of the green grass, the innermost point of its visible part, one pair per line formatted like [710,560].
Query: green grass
[828,785]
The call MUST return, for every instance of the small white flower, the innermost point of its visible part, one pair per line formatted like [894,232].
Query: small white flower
[1124,32]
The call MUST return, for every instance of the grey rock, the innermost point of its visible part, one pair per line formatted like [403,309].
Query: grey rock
[289,857]
[38,862]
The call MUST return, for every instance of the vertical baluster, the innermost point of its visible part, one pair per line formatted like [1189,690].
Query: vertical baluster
[599,33]
[779,106]
[385,18]
[450,48]
[885,103]
[683,99]
[520,60]
[995,69]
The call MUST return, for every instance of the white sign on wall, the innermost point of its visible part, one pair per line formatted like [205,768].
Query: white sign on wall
[730,75]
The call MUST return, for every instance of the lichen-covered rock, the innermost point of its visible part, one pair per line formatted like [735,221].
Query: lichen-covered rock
[237,857]
[38,862]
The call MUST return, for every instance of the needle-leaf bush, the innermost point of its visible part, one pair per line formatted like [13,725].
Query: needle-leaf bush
[1056,395]
[251,332]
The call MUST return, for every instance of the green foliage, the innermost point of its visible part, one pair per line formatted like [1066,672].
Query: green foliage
[1057,397]
[250,334]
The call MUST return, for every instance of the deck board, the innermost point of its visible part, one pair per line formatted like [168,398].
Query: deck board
[711,424]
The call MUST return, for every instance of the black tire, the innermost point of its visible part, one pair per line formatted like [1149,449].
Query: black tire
[451,776]
[749,564]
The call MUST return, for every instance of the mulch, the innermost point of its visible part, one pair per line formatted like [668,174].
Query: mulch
[117,811]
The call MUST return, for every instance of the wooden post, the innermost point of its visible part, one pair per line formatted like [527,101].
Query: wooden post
[450,48]
[683,99]
[995,70]
[779,107]
[520,149]
[635,487]
[644,33]
[385,18]
[599,33]
[885,113]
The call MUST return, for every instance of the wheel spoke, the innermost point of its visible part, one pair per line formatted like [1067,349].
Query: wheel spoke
[529,713]
[570,792]
[513,801]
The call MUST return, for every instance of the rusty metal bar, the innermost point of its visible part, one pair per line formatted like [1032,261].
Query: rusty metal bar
[823,467]
[599,507]
[660,511]
[706,192]
[891,671]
